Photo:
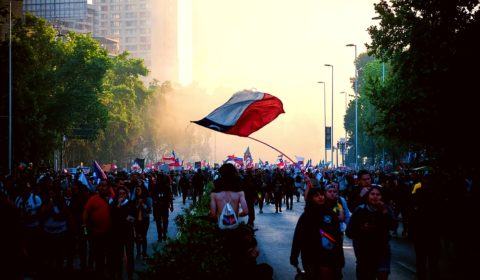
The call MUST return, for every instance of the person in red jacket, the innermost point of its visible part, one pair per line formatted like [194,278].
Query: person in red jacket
[97,223]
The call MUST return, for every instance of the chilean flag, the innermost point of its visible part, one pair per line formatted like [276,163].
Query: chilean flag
[244,113]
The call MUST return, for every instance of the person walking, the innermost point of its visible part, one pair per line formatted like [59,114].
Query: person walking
[317,238]
[228,189]
[198,184]
[143,208]
[122,212]
[184,185]
[98,224]
[278,184]
[369,228]
[250,190]
[426,229]
[162,202]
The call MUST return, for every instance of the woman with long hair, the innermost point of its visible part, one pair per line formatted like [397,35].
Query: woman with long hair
[317,238]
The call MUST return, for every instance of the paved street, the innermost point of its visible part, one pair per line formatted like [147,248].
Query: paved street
[275,239]
[274,235]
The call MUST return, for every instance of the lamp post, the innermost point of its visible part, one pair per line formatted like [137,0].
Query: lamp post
[10,171]
[330,65]
[324,115]
[343,151]
[356,107]
[383,150]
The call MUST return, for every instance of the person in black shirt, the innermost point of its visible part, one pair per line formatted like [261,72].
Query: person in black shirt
[162,202]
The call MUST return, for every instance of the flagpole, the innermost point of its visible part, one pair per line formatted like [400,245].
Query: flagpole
[274,149]
[309,183]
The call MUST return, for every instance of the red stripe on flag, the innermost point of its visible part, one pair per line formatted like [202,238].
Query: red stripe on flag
[257,115]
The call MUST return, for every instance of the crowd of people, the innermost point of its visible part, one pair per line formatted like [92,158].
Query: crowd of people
[53,218]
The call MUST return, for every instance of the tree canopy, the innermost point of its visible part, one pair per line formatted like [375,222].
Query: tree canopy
[55,86]
[428,99]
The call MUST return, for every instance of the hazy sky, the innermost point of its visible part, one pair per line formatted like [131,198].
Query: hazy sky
[275,46]
[279,47]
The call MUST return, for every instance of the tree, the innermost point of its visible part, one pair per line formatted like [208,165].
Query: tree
[56,87]
[126,97]
[427,102]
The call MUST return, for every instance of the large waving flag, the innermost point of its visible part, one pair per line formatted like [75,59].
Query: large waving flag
[244,113]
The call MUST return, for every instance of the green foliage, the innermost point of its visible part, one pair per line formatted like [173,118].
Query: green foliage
[197,252]
[427,102]
[79,77]
[124,97]
[56,84]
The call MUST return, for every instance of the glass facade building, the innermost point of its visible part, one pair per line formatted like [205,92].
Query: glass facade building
[52,10]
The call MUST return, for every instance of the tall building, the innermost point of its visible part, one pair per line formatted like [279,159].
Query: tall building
[52,10]
[165,35]
[64,15]
[80,25]
[129,23]
[147,29]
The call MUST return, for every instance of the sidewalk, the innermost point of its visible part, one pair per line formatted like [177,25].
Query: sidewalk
[178,207]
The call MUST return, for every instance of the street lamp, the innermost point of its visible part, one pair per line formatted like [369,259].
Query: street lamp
[10,142]
[330,65]
[356,107]
[324,115]
[343,151]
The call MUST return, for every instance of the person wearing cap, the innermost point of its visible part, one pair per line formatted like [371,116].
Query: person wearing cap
[369,228]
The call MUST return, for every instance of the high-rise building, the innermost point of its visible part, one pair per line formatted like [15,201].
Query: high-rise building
[71,15]
[80,25]
[147,29]
[52,10]
[129,23]
[64,15]
[165,51]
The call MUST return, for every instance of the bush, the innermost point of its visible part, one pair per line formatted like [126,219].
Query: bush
[197,252]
